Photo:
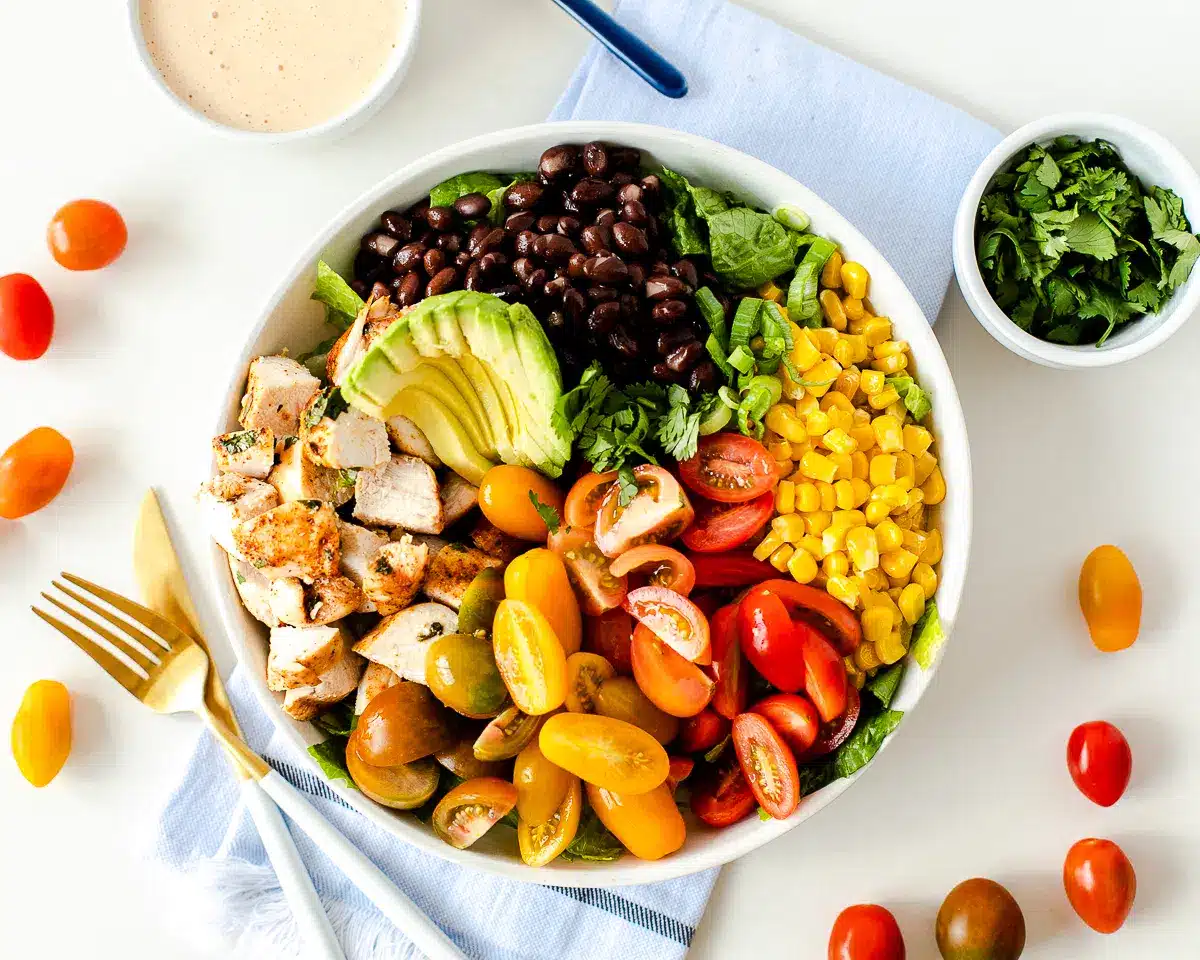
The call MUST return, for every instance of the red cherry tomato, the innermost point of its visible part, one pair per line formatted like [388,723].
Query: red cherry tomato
[738,569]
[33,472]
[673,684]
[679,770]
[721,796]
[833,734]
[1100,761]
[729,468]
[26,317]
[673,619]
[1100,884]
[584,499]
[611,636]
[665,566]
[770,640]
[718,527]
[837,622]
[866,932]
[702,732]
[794,719]
[86,235]
[824,673]
[729,697]
[588,569]
[768,764]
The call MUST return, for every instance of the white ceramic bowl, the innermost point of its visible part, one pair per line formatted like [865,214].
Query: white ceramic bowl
[380,91]
[290,320]
[1156,162]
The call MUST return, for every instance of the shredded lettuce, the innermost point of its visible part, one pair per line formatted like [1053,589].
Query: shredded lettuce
[446,192]
[593,842]
[928,637]
[331,758]
[865,742]
[916,400]
[341,302]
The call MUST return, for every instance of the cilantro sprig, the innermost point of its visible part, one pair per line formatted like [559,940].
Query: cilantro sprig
[548,513]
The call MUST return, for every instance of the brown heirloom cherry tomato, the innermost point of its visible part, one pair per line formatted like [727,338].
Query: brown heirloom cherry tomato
[658,513]
[768,764]
[405,786]
[33,472]
[86,235]
[664,566]
[611,636]
[41,731]
[609,753]
[26,317]
[462,673]
[506,499]
[471,809]
[1100,884]
[866,932]
[673,684]
[401,724]
[980,920]
[1110,597]
[1100,761]
[622,699]
[589,570]
[675,620]
[507,735]
[584,499]
[648,824]
[730,468]
[461,761]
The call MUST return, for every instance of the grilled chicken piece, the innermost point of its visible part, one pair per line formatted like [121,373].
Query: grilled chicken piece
[403,492]
[432,541]
[452,570]
[337,683]
[296,477]
[458,499]
[408,438]
[230,499]
[296,539]
[400,641]
[395,573]
[277,390]
[250,453]
[370,324]
[495,542]
[359,545]
[349,441]
[299,655]
[375,679]
[294,602]
[254,589]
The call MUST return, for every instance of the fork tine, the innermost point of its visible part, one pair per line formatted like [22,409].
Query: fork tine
[161,626]
[119,671]
[125,646]
[155,645]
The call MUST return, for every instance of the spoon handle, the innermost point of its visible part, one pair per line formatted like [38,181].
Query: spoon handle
[643,59]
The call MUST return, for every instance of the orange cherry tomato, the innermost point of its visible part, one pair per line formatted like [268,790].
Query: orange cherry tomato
[506,497]
[584,499]
[794,719]
[648,824]
[41,731]
[33,472]
[86,235]
[672,683]
[1100,884]
[530,658]
[540,579]
[768,764]
[675,620]
[609,753]
[589,570]
[666,567]
[26,317]
[1110,597]
[611,635]
[658,513]
[866,932]
[471,809]
[541,842]
[702,732]
[541,785]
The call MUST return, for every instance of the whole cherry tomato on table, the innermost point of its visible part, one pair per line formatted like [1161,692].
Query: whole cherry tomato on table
[33,472]
[1110,597]
[26,317]
[980,920]
[866,932]
[1100,884]
[86,235]
[729,468]
[41,732]
[719,527]
[1100,761]
[768,764]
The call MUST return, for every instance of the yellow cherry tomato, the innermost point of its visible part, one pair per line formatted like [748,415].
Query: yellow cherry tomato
[542,842]
[1110,597]
[607,752]
[539,577]
[541,785]
[41,732]
[648,824]
[585,673]
[506,497]
[531,660]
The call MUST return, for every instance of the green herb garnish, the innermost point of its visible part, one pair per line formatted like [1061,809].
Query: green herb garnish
[548,514]
[341,302]
[593,841]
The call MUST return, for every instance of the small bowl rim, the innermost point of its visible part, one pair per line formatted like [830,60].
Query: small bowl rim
[381,90]
[970,277]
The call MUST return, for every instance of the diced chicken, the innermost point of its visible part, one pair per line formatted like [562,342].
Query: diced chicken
[495,542]
[299,655]
[294,602]
[350,442]
[403,492]
[296,539]
[408,438]
[370,324]
[452,570]
[400,641]
[337,683]
[230,499]
[394,574]
[250,453]
[296,477]
[375,679]
[254,589]
[277,390]
[434,543]
[359,545]
[458,499]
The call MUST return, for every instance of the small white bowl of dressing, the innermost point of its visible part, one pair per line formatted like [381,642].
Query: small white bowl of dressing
[274,71]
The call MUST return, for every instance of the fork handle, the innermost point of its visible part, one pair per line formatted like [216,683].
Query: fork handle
[320,942]
[359,869]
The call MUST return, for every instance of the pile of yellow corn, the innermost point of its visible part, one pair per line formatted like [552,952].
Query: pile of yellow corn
[857,473]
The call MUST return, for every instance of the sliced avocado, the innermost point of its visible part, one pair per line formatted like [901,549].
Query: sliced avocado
[542,375]
[372,382]
[429,378]
[457,376]
[493,408]
[445,432]
[397,344]
[450,336]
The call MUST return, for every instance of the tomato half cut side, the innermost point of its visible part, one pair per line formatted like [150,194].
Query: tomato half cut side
[664,566]
[719,527]
[732,677]
[732,569]
[832,617]
[673,619]
[589,570]
[832,735]
[721,796]
[585,497]
[729,468]
[793,717]
[770,640]
[471,809]
[768,764]
[672,684]
[658,513]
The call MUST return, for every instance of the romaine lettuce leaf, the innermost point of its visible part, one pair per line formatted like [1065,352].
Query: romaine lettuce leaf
[446,192]
[916,400]
[331,758]
[750,248]
[341,302]
[865,742]
[593,842]
[928,637]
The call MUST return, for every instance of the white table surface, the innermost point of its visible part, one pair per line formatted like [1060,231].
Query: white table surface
[975,785]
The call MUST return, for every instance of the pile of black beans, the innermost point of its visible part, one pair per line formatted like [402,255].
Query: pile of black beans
[582,246]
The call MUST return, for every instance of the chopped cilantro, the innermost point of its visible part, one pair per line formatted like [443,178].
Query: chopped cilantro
[547,512]
[240,442]
[628,486]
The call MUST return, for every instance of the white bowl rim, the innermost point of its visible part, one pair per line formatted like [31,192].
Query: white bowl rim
[949,426]
[376,95]
[970,278]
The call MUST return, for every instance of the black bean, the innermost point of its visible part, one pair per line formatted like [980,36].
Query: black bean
[410,289]
[525,243]
[619,180]
[624,158]
[629,192]
[417,209]
[575,304]
[381,244]
[704,377]
[623,342]
[397,224]
[558,162]
[368,267]
[637,275]
[523,268]
[556,287]
[378,290]
[510,292]
[474,279]
[556,319]
[473,206]
[524,196]
[359,287]
[596,239]
[662,373]
[443,282]
[634,212]
[548,223]
[552,246]
[604,317]
[669,311]
[440,218]
[538,279]
[659,268]
[600,293]
[492,262]
[670,340]
[517,222]
[595,159]
[630,305]
[652,185]
[683,359]
[666,288]
[462,258]
[629,239]
[434,261]
[449,243]
[607,268]
[569,226]
[571,206]
[576,266]
[591,192]
[492,240]
[686,271]
[606,218]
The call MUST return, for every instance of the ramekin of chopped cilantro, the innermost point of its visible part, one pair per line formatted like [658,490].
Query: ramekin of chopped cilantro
[1073,245]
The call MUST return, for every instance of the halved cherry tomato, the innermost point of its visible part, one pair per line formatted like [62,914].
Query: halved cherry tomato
[770,640]
[648,824]
[824,673]
[585,673]
[718,527]
[722,796]
[673,684]
[471,809]
[539,577]
[540,843]
[622,698]
[33,472]
[585,497]
[680,769]
[1110,596]
[1100,761]
[732,678]
[735,569]
[402,787]
[401,724]
[768,764]
[609,753]
[666,567]
[658,513]
[588,570]
[866,932]
[541,785]
[26,317]
[530,658]
[86,235]
[703,731]
[833,734]
[675,620]
[611,635]
[794,719]
[507,735]
[1100,883]
[730,468]
[506,498]
[837,622]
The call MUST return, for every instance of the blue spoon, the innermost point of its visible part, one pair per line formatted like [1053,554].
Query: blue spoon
[643,59]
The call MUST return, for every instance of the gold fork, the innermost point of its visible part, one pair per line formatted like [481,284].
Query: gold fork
[172,669]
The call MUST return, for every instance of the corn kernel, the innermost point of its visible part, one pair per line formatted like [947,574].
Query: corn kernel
[804,354]
[845,466]
[877,511]
[855,279]
[789,527]
[828,497]
[835,564]
[891,494]
[816,522]
[915,540]
[843,353]
[872,382]
[862,490]
[783,468]
[848,518]
[862,547]
[836,402]
[890,348]
[860,463]
[877,330]
[824,374]
[932,552]
[864,436]
[815,466]
[905,465]
[831,274]
[888,433]
[894,592]
[865,657]
[884,398]
[813,546]
[807,404]
[770,543]
[860,350]
[882,470]
[923,576]
[843,589]
[785,497]
[781,556]
[876,624]
[844,493]
[858,680]
[913,518]
[801,448]
[817,424]
[854,308]
[831,306]
[911,602]
[808,497]
[781,450]
[898,563]
[897,410]
[782,419]
[833,539]
[839,441]
[917,439]
[892,649]
[768,291]
[888,536]
[823,338]
[924,467]
[890,365]
[802,566]
[862,417]
[934,487]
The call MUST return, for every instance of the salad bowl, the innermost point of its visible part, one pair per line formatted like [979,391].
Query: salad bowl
[291,321]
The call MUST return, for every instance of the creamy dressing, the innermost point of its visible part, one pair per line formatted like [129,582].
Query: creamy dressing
[271,65]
